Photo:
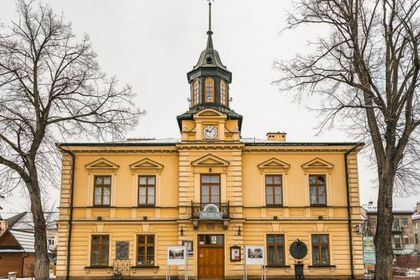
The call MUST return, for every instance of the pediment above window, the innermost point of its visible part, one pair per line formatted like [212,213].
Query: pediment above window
[209,113]
[146,164]
[317,163]
[274,163]
[210,161]
[102,164]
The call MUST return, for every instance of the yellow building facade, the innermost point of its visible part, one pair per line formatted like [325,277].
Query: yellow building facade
[123,203]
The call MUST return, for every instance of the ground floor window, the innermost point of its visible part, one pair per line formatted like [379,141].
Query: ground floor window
[100,250]
[320,249]
[145,250]
[275,249]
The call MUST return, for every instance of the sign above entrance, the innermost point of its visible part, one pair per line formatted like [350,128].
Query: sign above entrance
[211,212]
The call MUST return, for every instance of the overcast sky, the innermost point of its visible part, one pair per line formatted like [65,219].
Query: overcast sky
[153,44]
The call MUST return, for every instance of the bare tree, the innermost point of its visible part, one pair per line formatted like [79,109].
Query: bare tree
[367,71]
[51,88]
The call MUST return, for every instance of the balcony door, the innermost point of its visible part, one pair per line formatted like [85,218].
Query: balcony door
[210,189]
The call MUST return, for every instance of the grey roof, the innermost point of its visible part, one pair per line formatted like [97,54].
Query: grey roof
[175,141]
[209,57]
[25,239]
[24,222]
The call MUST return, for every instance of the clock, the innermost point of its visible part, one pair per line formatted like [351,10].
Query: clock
[210,132]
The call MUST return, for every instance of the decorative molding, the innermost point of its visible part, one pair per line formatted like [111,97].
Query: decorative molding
[209,113]
[102,164]
[317,163]
[210,160]
[273,163]
[146,164]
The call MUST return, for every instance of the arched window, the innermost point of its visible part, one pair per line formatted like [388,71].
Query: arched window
[196,93]
[223,93]
[209,90]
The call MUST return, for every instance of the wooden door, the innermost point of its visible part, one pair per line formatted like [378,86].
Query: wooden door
[211,259]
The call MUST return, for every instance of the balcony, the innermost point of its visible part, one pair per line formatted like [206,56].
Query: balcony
[210,211]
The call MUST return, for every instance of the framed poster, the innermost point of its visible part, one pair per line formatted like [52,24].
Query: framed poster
[121,250]
[189,245]
[176,255]
[254,255]
[235,254]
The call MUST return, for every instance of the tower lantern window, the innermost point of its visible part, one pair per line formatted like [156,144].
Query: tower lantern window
[209,90]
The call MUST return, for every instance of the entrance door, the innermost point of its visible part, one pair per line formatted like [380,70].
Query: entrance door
[211,259]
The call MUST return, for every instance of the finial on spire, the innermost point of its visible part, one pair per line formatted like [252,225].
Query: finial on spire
[210,32]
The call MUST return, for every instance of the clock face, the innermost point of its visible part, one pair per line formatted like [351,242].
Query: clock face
[210,132]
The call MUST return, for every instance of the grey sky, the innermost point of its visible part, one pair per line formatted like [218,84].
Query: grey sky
[153,44]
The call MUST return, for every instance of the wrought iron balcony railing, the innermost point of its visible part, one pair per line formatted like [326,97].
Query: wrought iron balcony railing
[210,211]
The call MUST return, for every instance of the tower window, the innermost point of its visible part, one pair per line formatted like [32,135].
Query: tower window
[223,93]
[196,93]
[209,90]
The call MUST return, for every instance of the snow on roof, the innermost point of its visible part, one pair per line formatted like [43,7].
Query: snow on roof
[25,239]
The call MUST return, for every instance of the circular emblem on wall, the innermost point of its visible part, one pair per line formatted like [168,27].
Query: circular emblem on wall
[298,249]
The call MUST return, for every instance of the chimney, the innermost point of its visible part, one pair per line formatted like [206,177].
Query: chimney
[276,136]
[3,226]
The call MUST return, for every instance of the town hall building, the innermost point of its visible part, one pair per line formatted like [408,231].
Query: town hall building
[123,203]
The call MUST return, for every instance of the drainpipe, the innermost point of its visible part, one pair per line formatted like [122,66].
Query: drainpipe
[349,219]
[73,163]
[23,265]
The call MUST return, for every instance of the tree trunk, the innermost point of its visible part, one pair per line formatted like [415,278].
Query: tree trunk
[383,236]
[41,251]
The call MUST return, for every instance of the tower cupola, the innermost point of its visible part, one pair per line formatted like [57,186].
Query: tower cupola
[209,79]
[209,83]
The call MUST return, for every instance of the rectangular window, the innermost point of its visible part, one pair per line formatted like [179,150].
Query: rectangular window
[416,238]
[317,190]
[406,240]
[147,190]
[102,191]
[273,190]
[275,249]
[145,250]
[404,222]
[210,188]
[397,241]
[99,250]
[320,249]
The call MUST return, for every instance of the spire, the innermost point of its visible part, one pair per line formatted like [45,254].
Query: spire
[209,32]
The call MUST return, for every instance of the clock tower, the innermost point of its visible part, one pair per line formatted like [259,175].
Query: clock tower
[209,117]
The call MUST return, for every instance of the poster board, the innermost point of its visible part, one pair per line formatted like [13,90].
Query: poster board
[176,255]
[369,259]
[254,255]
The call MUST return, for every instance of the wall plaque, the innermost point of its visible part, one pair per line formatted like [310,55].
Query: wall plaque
[298,249]
[121,250]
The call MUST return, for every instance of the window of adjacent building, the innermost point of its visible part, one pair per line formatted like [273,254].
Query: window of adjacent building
[50,240]
[416,238]
[275,249]
[223,93]
[406,241]
[273,190]
[102,191]
[147,190]
[320,249]
[317,190]
[145,250]
[209,90]
[396,224]
[100,250]
[397,241]
[196,93]
[210,188]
